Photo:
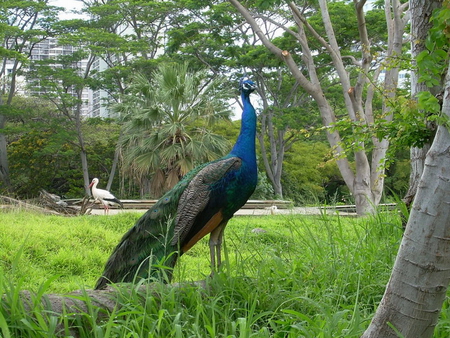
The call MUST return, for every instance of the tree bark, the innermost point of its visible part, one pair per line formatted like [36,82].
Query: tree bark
[81,144]
[417,158]
[417,288]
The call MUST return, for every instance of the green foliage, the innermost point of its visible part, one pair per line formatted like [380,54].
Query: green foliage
[409,128]
[432,63]
[45,157]
[309,172]
[36,157]
[264,189]
[397,175]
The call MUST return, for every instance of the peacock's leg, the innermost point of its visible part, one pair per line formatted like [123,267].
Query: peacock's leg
[215,246]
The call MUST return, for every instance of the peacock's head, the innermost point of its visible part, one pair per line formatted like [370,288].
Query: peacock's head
[246,85]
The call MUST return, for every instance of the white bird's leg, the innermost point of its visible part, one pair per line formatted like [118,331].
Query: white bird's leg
[215,245]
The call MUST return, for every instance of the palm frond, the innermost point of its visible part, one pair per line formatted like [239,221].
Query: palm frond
[162,114]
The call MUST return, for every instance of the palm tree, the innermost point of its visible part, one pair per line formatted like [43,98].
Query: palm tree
[167,116]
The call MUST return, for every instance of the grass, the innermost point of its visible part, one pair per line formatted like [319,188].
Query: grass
[306,276]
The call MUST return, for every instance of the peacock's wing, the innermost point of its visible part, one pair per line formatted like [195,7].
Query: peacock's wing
[196,196]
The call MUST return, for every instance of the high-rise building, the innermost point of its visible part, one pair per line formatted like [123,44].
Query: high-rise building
[49,49]
[99,96]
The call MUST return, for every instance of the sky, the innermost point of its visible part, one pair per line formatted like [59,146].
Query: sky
[69,5]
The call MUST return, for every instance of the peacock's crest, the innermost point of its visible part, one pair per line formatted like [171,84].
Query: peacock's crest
[246,85]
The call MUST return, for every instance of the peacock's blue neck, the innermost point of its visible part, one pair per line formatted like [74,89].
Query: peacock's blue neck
[245,144]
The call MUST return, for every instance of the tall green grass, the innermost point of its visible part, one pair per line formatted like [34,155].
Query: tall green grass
[306,276]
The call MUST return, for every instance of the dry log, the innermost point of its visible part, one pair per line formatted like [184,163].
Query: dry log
[9,203]
[54,202]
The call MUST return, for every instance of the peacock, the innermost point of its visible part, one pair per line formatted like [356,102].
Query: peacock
[201,203]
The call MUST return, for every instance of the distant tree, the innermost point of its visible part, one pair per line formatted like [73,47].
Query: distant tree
[44,152]
[101,137]
[218,40]
[287,114]
[166,118]
[126,38]
[62,80]
[22,25]
[352,69]
[313,178]
[37,146]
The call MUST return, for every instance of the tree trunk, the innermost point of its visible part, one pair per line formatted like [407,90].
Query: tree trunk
[4,166]
[84,168]
[420,24]
[81,144]
[417,288]
[273,164]
[417,158]
[362,193]
[113,169]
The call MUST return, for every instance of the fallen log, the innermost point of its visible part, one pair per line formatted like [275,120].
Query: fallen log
[47,203]
[68,308]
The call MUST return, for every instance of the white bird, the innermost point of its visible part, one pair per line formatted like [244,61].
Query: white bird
[273,209]
[104,196]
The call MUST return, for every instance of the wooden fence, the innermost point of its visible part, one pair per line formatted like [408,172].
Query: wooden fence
[147,204]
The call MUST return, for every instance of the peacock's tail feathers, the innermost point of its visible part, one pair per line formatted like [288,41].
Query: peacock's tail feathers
[145,251]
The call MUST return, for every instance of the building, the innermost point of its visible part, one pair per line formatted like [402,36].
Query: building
[99,97]
[46,50]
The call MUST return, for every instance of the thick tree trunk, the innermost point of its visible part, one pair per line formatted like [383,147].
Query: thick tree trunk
[417,288]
